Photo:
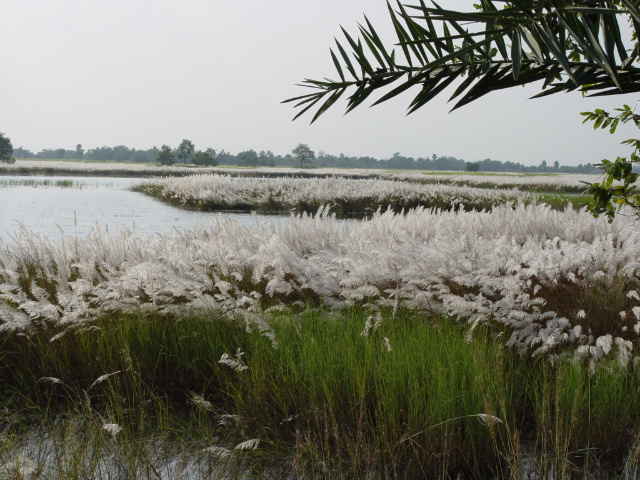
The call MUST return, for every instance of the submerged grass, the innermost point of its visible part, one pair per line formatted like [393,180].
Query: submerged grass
[344,395]
[31,182]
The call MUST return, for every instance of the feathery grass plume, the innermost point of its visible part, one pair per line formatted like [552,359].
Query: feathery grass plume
[220,452]
[58,336]
[102,378]
[489,420]
[263,327]
[52,380]
[346,195]
[112,428]
[234,362]
[248,444]
[371,324]
[200,402]
[524,270]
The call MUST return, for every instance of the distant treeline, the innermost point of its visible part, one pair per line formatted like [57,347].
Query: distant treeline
[119,153]
[263,158]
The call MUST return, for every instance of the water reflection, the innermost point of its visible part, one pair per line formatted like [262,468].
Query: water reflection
[75,210]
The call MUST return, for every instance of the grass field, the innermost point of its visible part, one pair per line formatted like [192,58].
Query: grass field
[434,343]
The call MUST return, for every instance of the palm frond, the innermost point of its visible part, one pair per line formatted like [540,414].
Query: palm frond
[565,44]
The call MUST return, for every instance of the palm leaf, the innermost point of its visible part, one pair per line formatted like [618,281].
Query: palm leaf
[565,44]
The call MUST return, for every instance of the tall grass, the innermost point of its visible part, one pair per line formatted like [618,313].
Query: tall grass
[344,395]
[345,196]
[540,183]
[556,283]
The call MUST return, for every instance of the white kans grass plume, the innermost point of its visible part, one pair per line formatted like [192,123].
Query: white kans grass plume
[51,380]
[102,378]
[200,402]
[290,192]
[488,420]
[234,362]
[248,444]
[505,180]
[501,267]
[112,428]
[217,451]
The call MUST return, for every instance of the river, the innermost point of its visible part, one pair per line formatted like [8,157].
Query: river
[105,202]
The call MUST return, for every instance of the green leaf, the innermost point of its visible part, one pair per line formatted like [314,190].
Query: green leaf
[337,64]
[430,90]
[556,50]
[305,109]
[372,48]
[632,9]
[530,39]
[373,35]
[400,89]
[516,53]
[359,53]
[597,123]
[347,61]
[330,101]
[614,125]
[358,97]
[402,35]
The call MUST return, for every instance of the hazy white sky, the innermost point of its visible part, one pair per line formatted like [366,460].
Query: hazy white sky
[148,72]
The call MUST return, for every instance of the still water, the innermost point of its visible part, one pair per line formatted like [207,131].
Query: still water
[91,201]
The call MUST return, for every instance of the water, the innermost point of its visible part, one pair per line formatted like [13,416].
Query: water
[106,202]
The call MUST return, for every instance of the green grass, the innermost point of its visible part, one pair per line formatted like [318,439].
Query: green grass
[328,401]
[559,201]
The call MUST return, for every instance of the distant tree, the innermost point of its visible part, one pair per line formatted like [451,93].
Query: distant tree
[488,165]
[512,166]
[140,156]
[248,158]
[6,149]
[304,154]
[121,153]
[206,158]
[22,153]
[472,167]
[266,159]
[165,155]
[185,150]
[79,152]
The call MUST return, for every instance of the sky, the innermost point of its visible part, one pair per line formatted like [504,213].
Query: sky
[144,73]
